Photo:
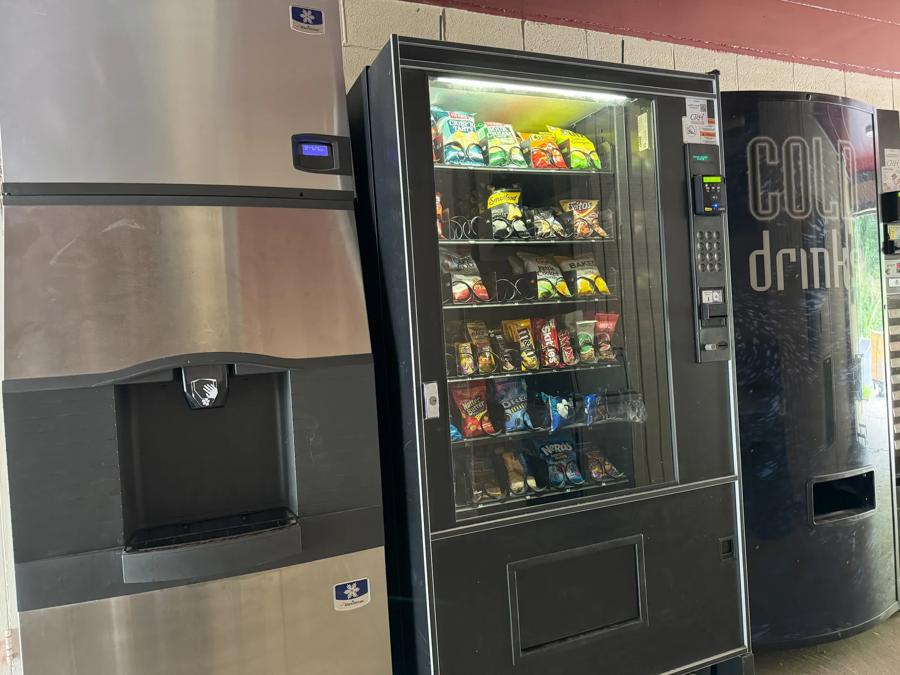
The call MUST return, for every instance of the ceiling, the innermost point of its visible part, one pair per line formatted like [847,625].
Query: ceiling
[862,36]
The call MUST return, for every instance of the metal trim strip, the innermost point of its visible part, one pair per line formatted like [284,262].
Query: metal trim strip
[16,386]
[179,194]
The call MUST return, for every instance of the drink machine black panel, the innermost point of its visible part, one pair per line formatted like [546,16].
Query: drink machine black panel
[807,293]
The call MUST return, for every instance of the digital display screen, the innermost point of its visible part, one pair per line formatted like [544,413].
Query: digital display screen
[315,149]
[712,179]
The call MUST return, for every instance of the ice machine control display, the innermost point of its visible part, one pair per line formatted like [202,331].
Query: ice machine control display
[315,149]
[318,153]
[709,195]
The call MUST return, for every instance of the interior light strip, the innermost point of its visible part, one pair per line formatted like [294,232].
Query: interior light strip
[516,87]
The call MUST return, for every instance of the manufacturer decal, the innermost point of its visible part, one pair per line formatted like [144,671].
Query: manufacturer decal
[307,20]
[205,391]
[351,595]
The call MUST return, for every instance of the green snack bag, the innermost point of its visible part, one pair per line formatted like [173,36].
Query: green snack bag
[585,337]
[577,149]
[550,282]
[500,145]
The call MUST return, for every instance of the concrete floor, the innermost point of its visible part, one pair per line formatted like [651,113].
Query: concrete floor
[875,652]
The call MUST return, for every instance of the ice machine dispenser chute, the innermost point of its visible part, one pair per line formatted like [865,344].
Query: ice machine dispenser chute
[199,468]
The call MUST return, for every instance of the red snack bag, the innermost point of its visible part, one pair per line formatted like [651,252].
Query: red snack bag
[604,327]
[471,400]
[548,342]
[542,150]
[465,279]
[569,356]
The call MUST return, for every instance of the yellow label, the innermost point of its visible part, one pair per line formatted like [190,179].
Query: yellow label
[503,197]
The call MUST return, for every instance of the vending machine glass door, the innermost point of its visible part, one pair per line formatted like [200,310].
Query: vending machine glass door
[553,303]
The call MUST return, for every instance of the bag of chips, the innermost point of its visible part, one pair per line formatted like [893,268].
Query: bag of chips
[589,402]
[500,144]
[585,217]
[550,282]
[458,137]
[454,433]
[513,397]
[507,221]
[577,149]
[439,208]
[542,151]
[518,475]
[582,273]
[562,461]
[485,484]
[465,359]
[562,411]
[548,342]
[465,279]
[566,349]
[518,331]
[544,224]
[436,144]
[604,327]
[471,400]
[585,334]
[504,352]
[600,468]
[484,355]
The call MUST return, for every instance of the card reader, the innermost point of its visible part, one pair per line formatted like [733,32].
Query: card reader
[709,195]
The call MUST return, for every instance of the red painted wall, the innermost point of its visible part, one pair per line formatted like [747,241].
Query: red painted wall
[862,36]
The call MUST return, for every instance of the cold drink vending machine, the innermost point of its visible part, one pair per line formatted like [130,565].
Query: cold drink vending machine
[545,251]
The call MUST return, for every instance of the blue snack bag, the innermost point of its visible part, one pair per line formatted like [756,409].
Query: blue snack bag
[513,396]
[561,411]
[454,433]
[590,402]
[562,461]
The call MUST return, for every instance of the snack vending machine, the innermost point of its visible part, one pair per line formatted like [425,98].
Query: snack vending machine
[545,251]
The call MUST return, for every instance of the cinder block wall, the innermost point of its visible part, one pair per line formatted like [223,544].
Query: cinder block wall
[369,23]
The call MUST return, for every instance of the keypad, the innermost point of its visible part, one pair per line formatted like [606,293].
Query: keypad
[708,251]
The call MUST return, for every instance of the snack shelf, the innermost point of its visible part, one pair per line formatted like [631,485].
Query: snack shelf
[527,170]
[532,373]
[547,495]
[543,432]
[533,303]
[526,242]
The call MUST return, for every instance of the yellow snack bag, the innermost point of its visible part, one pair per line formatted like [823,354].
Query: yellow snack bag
[577,149]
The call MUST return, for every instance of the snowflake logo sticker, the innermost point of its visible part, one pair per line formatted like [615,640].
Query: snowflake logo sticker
[308,20]
[351,595]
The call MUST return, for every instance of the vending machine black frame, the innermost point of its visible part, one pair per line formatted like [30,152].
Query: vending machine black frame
[686,534]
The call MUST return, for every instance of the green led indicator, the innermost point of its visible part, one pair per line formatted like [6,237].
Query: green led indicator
[712,179]
[701,158]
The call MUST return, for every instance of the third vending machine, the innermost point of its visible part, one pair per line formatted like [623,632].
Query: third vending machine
[546,260]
